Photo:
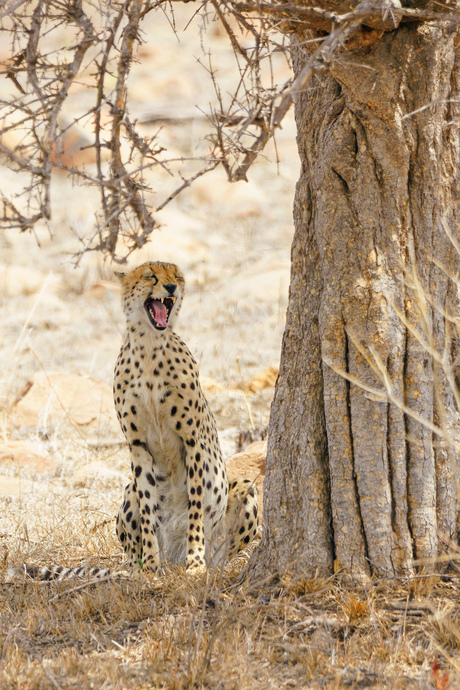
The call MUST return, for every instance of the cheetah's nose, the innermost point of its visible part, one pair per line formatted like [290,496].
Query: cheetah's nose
[171,288]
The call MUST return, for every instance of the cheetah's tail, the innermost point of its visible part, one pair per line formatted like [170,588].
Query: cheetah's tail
[49,573]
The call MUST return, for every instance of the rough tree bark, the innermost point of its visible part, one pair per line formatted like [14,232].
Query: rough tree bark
[351,478]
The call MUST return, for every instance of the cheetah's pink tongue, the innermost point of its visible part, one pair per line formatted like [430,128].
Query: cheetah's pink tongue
[160,313]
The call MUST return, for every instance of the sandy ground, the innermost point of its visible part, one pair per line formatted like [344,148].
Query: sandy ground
[232,243]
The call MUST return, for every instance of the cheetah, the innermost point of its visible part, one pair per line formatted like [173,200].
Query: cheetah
[179,506]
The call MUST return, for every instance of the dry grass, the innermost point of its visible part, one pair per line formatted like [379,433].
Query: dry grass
[226,631]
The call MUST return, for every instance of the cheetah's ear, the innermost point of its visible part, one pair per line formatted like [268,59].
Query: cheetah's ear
[120,275]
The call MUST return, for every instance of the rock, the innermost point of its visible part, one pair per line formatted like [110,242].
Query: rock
[75,148]
[24,454]
[13,486]
[265,379]
[16,486]
[97,471]
[57,398]
[250,464]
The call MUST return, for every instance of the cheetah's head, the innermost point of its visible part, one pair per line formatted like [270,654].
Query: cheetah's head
[152,293]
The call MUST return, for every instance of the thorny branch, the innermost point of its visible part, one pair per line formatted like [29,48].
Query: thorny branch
[44,74]
[43,79]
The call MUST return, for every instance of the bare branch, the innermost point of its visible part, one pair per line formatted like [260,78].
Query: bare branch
[243,121]
[318,62]
[316,13]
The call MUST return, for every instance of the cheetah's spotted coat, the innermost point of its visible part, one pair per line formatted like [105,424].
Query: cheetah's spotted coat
[179,505]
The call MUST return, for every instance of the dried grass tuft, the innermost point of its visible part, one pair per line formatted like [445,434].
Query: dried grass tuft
[221,631]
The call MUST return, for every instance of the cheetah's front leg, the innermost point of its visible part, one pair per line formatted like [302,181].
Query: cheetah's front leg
[129,525]
[146,491]
[195,558]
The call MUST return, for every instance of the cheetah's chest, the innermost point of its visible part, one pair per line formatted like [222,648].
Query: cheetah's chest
[140,394]
[164,443]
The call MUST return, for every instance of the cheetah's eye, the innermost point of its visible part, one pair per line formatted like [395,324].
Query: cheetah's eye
[151,276]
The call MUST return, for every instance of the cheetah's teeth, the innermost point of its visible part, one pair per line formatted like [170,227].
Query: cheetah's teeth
[159,310]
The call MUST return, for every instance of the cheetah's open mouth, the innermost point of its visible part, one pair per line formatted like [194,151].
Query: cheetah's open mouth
[159,311]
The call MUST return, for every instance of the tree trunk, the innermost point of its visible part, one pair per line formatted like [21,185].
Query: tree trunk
[350,476]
